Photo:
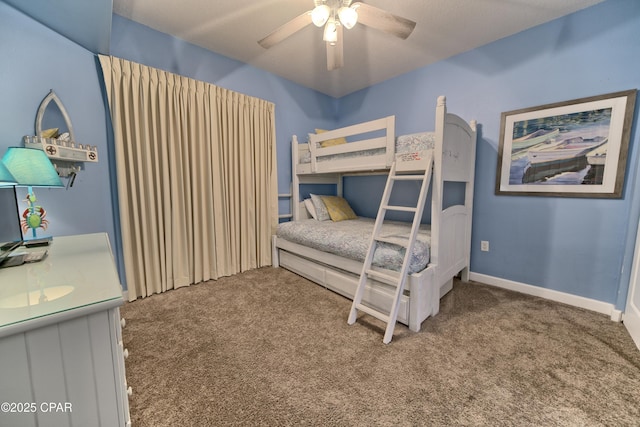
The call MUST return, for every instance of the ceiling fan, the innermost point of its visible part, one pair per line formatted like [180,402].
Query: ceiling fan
[335,14]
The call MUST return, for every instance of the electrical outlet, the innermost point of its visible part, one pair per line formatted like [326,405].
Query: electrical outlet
[484,246]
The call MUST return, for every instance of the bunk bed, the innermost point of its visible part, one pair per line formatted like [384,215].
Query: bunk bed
[371,148]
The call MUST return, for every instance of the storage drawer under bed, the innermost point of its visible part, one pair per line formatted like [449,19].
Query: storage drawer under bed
[376,294]
[303,267]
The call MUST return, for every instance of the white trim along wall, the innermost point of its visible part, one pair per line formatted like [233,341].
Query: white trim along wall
[550,294]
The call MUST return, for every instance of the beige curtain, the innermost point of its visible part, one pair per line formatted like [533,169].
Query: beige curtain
[196,172]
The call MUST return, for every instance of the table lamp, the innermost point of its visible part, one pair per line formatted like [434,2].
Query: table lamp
[5,176]
[31,168]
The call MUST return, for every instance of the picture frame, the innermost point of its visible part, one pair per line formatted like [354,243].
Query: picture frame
[575,148]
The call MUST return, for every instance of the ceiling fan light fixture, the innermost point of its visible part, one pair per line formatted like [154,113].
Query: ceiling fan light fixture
[335,14]
[348,17]
[320,14]
[331,32]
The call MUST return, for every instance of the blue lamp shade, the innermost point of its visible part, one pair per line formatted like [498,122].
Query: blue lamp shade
[31,167]
[5,176]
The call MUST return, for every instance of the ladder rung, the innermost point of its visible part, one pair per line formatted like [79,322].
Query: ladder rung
[408,177]
[373,312]
[400,208]
[387,278]
[393,241]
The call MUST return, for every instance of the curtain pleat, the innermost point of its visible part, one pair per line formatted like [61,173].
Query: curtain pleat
[196,174]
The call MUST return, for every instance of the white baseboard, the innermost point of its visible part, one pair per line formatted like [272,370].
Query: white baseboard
[125,295]
[550,294]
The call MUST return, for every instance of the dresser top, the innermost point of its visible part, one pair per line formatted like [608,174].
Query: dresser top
[78,275]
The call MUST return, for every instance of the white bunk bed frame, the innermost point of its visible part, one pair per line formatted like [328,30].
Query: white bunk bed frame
[454,160]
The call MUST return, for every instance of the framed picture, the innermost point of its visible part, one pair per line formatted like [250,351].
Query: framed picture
[569,149]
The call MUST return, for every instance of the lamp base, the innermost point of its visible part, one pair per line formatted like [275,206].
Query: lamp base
[33,217]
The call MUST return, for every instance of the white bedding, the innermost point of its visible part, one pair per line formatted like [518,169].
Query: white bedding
[404,144]
[350,239]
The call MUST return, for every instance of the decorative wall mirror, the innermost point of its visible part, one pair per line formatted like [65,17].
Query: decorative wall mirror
[58,140]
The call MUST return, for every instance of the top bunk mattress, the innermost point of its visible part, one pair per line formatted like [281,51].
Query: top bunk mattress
[404,145]
[350,239]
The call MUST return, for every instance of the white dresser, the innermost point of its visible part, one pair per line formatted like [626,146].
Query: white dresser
[61,353]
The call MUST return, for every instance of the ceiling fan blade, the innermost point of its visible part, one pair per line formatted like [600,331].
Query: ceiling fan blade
[286,30]
[335,54]
[384,21]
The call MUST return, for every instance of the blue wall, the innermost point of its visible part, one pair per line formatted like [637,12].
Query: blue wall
[35,60]
[579,246]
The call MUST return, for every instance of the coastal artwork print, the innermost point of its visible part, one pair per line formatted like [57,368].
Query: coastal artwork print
[571,149]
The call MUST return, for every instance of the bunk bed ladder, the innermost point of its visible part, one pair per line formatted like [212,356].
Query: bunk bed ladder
[397,279]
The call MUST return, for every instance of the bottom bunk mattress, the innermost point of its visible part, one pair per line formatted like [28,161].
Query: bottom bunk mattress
[350,239]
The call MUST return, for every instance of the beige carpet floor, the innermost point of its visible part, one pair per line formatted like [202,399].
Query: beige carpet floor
[269,348]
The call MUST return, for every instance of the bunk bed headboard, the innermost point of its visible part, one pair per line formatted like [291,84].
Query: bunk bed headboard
[454,162]
[458,157]
[455,156]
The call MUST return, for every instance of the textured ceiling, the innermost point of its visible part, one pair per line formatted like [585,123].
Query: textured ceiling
[444,28]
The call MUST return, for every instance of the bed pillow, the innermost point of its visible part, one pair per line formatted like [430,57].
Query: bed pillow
[338,208]
[310,208]
[322,214]
[50,133]
[330,142]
